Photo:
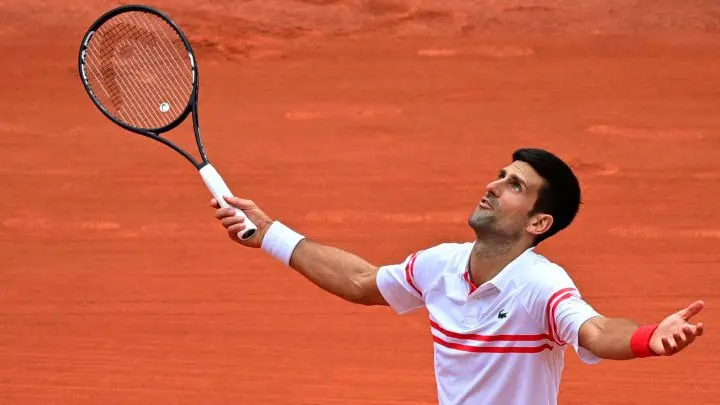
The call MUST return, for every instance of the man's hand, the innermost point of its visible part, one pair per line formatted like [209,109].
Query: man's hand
[235,224]
[675,333]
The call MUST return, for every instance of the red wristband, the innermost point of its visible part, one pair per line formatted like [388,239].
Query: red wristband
[640,341]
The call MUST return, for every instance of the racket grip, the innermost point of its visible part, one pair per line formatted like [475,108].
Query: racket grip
[219,189]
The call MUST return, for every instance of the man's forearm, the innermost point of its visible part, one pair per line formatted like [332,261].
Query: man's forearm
[608,338]
[337,271]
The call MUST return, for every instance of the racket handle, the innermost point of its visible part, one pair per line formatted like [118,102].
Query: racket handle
[219,189]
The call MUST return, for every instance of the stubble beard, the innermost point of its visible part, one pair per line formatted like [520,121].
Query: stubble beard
[484,224]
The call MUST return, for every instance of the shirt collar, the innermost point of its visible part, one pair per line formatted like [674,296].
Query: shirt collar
[504,278]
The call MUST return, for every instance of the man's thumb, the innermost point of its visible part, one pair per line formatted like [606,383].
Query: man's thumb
[693,309]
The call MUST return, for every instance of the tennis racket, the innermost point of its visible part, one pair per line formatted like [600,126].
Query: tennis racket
[138,68]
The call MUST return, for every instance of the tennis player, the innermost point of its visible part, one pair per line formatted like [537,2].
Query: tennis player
[501,314]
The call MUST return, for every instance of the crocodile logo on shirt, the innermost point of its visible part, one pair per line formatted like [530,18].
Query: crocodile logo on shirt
[502,314]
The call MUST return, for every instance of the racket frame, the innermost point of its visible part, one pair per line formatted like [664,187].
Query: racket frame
[212,179]
[191,107]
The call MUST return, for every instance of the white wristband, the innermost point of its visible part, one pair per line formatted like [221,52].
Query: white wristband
[280,241]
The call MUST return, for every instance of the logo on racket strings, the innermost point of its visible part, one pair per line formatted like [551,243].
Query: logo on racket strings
[164,107]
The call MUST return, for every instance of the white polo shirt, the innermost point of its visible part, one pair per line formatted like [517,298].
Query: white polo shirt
[502,343]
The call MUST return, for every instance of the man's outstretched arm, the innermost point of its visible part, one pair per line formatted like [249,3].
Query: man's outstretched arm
[334,270]
[338,272]
[621,339]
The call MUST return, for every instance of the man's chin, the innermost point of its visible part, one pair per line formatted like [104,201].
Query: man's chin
[480,223]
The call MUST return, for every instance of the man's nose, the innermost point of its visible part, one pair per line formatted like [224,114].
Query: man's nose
[493,188]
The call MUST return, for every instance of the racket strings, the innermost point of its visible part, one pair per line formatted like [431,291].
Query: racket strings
[139,70]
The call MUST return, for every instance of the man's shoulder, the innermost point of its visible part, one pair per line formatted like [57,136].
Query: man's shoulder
[447,248]
[547,274]
[445,255]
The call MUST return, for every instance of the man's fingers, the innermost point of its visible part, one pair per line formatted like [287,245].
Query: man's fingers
[686,339]
[236,228]
[235,202]
[240,202]
[230,221]
[689,334]
[691,310]
[666,345]
[680,340]
[699,330]
[225,212]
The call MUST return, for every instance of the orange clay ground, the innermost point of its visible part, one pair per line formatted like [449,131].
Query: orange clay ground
[369,125]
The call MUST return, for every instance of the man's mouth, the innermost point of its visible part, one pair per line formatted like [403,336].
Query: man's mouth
[485,204]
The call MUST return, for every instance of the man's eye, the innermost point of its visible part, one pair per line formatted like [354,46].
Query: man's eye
[516,186]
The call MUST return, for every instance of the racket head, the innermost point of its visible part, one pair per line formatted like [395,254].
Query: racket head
[139,69]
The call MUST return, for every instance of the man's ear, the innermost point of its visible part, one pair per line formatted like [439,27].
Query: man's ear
[539,223]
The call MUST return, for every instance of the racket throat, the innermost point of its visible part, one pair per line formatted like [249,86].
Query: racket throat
[198,138]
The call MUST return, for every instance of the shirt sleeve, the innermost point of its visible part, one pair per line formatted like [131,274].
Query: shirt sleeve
[569,312]
[557,304]
[402,285]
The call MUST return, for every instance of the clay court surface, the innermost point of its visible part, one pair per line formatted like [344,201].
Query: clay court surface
[369,125]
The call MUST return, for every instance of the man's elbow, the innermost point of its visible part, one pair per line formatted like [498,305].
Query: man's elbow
[590,333]
[370,300]
[366,291]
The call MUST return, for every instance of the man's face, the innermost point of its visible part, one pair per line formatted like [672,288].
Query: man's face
[505,208]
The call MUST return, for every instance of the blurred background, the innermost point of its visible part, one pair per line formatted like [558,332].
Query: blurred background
[370,125]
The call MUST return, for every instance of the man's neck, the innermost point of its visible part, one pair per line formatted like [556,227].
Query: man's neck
[488,258]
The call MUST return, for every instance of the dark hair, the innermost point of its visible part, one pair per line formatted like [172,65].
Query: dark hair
[559,196]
